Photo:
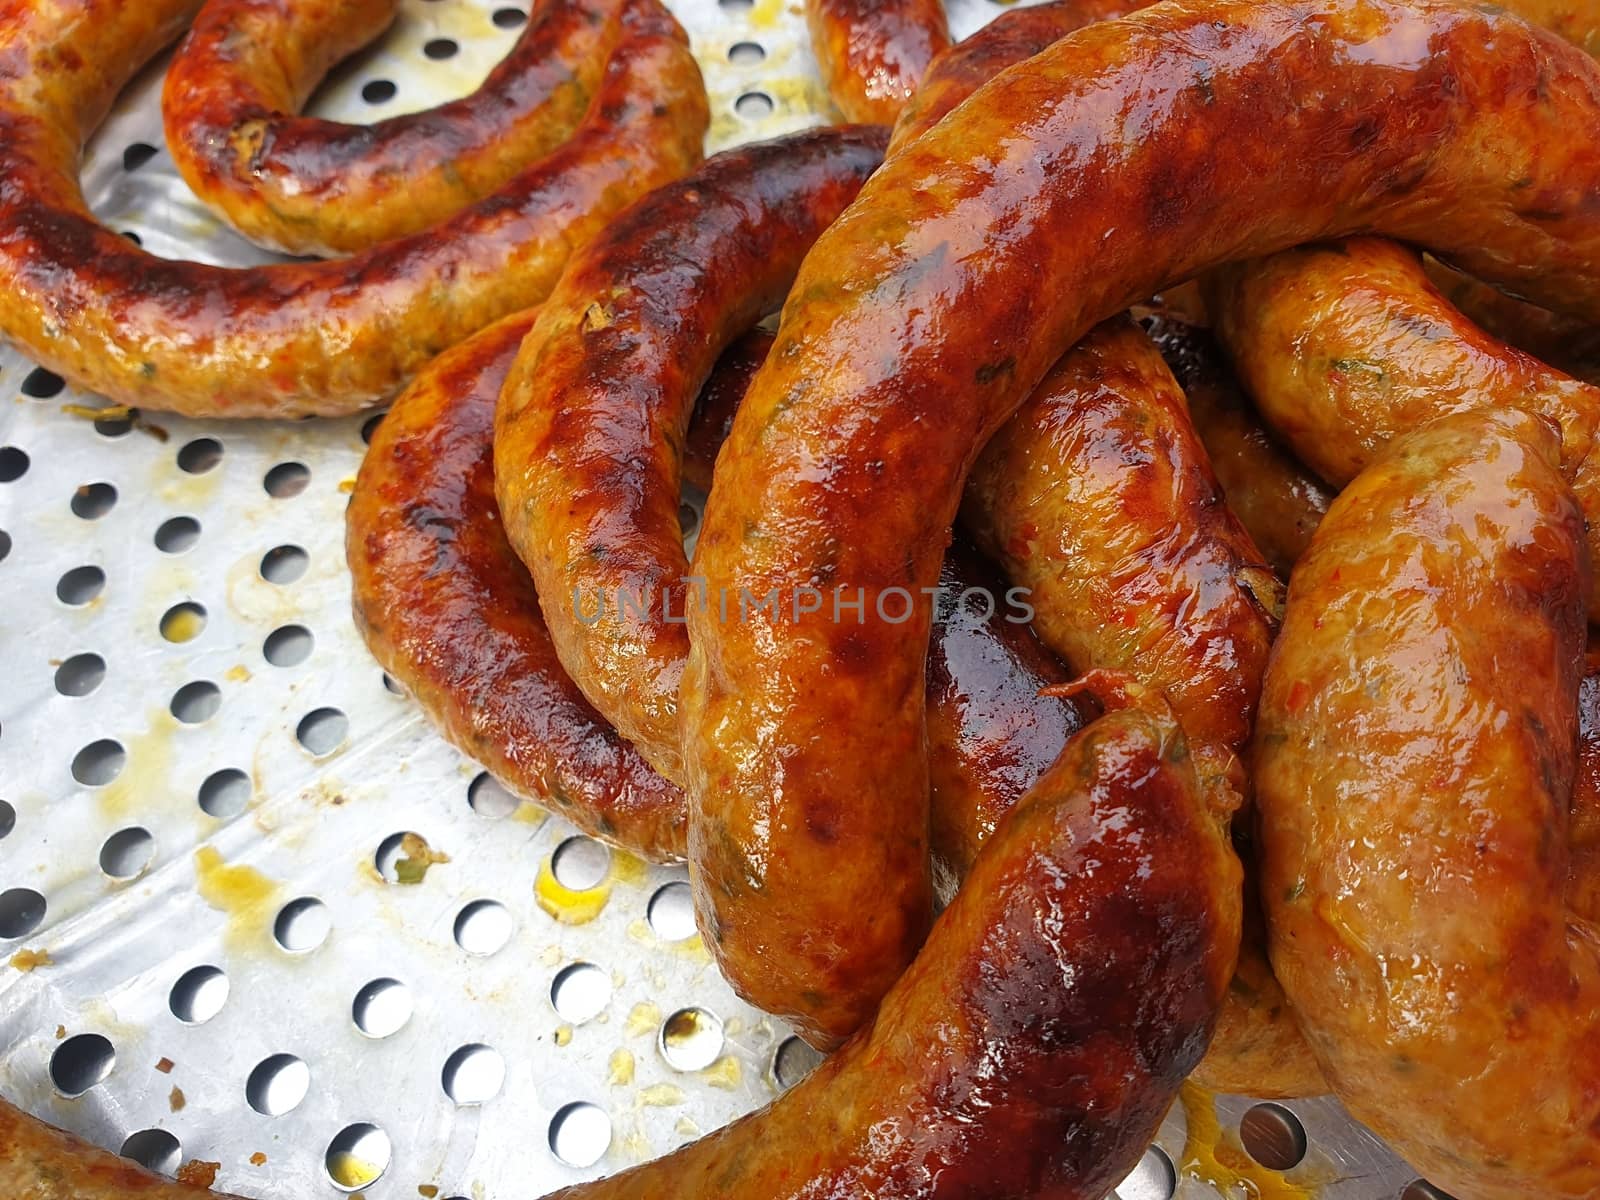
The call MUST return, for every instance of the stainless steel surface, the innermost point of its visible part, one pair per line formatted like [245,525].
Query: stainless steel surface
[204,779]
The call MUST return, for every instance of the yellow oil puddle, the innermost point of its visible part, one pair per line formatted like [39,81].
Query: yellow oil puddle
[238,673]
[31,960]
[182,625]
[619,1072]
[644,1017]
[563,903]
[530,814]
[242,892]
[348,1171]
[766,13]
[145,774]
[725,1073]
[628,868]
[1216,1156]
[661,1095]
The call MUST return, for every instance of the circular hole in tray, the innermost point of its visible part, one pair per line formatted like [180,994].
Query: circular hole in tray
[8,818]
[199,456]
[390,851]
[183,622]
[753,106]
[197,702]
[93,500]
[1273,1136]
[277,1085]
[302,925]
[284,564]
[154,1150]
[688,519]
[177,534]
[98,763]
[483,926]
[509,18]
[21,912]
[370,426]
[391,686]
[287,479]
[488,798]
[127,852]
[80,585]
[199,994]
[322,731]
[1152,1178]
[1421,1189]
[378,91]
[746,54]
[13,464]
[580,863]
[137,241]
[473,1074]
[793,1062]
[42,384]
[439,49]
[580,1134]
[671,912]
[736,6]
[382,1008]
[5,544]
[580,992]
[690,1039]
[134,156]
[357,1157]
[288,646]
[225,793]
[80,674]
[80,1062]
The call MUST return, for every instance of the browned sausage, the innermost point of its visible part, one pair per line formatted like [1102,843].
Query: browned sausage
[590,428]
[1345,345]
[873,52]
[299,337]
[1275,497]
[719,400]
[1414,763]
[1008,39]
[1565,342]
[311,186]
[1038,1039]
[1126,156]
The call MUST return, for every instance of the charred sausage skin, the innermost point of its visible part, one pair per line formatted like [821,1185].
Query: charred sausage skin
[847,460]
[590,428]
[873,53]
[294,338]
[305,185]
[1069,988]
[1414,765]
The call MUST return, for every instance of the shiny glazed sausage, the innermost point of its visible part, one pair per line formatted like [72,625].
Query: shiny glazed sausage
[310,186]
[590,428]
[1345,345]
[1008,39]
[1565,342]
[1278,501]
[873,53]
[1414,763]
[298,337]
[1068,989]
[1130,154]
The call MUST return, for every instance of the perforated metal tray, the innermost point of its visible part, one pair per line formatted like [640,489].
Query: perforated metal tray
[205,780]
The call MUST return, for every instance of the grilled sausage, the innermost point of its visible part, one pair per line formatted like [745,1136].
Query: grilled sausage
[1278,501]
[1011,37]
[935,305]
[873,53]
[1565,342]
[1068,989]
[299,337]
[310,186]
[1414,762]
[590,428]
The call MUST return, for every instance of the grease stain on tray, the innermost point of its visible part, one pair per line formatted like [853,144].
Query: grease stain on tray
[242,892]
[1217,1157]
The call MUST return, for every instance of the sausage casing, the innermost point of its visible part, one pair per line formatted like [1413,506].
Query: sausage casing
[873,53]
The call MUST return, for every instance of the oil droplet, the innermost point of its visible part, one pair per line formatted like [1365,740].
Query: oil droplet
[564,904]
[687,1128]
[238,673]
[182,625]
[1218,1158]
[628,868]
[351,1172]
[661,1095]
[244,893]
[643,1018]
[29,960]
[563,1034]
[765,14]
[620,1073]
[725,1073]
[530,814]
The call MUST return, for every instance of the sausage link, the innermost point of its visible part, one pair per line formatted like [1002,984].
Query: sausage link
[873,53]
[297,337]
[1347,345]
[1278,501]
[309,186]
[719,400]
[1011,37]
[1068,988]
[590,428]
[1565,342]
[1133,153]
[1414,762]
